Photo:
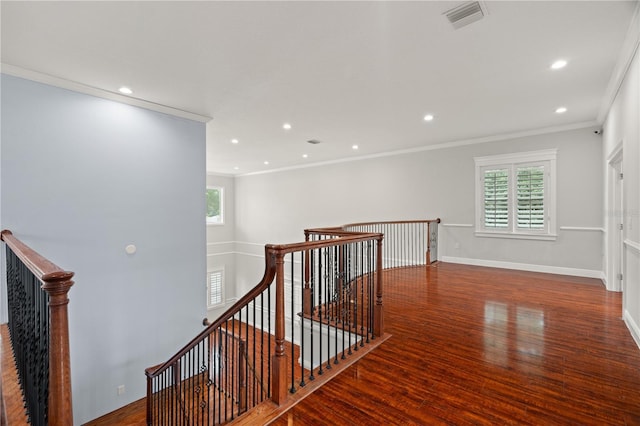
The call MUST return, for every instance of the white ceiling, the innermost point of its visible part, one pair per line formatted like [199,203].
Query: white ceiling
[344,73]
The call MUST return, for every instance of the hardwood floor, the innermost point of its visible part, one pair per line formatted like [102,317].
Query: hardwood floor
[478,346]
[482,346]
[14,414]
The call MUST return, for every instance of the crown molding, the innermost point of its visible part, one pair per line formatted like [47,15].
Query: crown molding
[100,93]
[445,145]
[627,53]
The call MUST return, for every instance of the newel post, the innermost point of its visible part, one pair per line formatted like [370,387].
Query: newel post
[279,358]
[57,285]
[378,320]
[306,291]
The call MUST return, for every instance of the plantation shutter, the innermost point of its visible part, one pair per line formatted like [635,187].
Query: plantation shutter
[496,198]
[215,288]
[530,197]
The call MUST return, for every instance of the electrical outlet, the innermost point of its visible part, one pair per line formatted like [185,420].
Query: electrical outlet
[120,389]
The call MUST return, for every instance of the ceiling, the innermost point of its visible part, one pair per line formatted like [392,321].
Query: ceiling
[342,73]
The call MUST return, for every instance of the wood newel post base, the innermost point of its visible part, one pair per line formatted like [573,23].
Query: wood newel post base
[378,314]
[306,300]
[279,388]
[279,359]
[306,291]
[149,395]
[57,285]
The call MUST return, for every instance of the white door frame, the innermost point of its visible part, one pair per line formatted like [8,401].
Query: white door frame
[615,221]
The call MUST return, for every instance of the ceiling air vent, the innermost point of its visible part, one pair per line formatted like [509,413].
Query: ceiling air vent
[466,14]
[314,141]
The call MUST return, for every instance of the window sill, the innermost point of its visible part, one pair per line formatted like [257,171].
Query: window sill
[215,223]
[519,236]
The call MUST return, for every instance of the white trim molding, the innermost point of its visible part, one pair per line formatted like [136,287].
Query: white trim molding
[547,269]
[52,80]
[457,225]
[633,327]
[444,145]
[632,245]
[582,228]
[628,51]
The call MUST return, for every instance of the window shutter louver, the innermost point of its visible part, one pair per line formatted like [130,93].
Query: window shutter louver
[496,198]
[215,288]
[530,197]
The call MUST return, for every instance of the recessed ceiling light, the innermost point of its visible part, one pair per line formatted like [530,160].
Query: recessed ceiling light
[354,147]
[561,110]
[428,117]
[234,141]
[125,90]
[286,126]
[266,163]
[560,63]
[305,156]
[236,168]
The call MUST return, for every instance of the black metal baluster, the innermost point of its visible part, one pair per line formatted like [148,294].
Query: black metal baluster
[346,326]
[312,309]
[261,346]
[362,275]
[291,287]
[303,279]
[322,278]
[269,341]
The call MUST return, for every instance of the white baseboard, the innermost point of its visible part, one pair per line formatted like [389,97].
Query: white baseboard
[633,327]
[576,272]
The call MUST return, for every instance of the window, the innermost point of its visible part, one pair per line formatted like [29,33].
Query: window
[215,284]
[215,205]
[515,195]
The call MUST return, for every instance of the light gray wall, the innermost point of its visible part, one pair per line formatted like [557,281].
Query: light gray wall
[277,207]
[221,244]
[623,126]
[82,177]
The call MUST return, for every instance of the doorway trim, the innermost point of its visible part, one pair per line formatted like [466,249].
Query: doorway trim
[614,217]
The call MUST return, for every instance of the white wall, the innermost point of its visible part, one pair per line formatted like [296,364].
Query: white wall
[277,207]
[82,177]
[623,126]
[221,244]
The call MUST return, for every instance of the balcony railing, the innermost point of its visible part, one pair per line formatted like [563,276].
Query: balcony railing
[38,324]
[318,303]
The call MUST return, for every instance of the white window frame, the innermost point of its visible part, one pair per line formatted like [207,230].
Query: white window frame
[512,162]
[219,272]
[221,192]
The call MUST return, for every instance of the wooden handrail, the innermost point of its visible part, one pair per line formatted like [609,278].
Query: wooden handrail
[56,282]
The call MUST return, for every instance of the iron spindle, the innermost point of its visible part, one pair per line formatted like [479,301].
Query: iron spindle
[321,280]
[312,308]
[292,360]
[303,306]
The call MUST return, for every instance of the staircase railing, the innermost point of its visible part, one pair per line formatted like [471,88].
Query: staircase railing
[38,325]
[406,243]
[281,349]
[318,303]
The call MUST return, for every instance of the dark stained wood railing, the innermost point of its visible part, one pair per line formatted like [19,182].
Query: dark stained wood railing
[327,303]
[274,355]
[38,323]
